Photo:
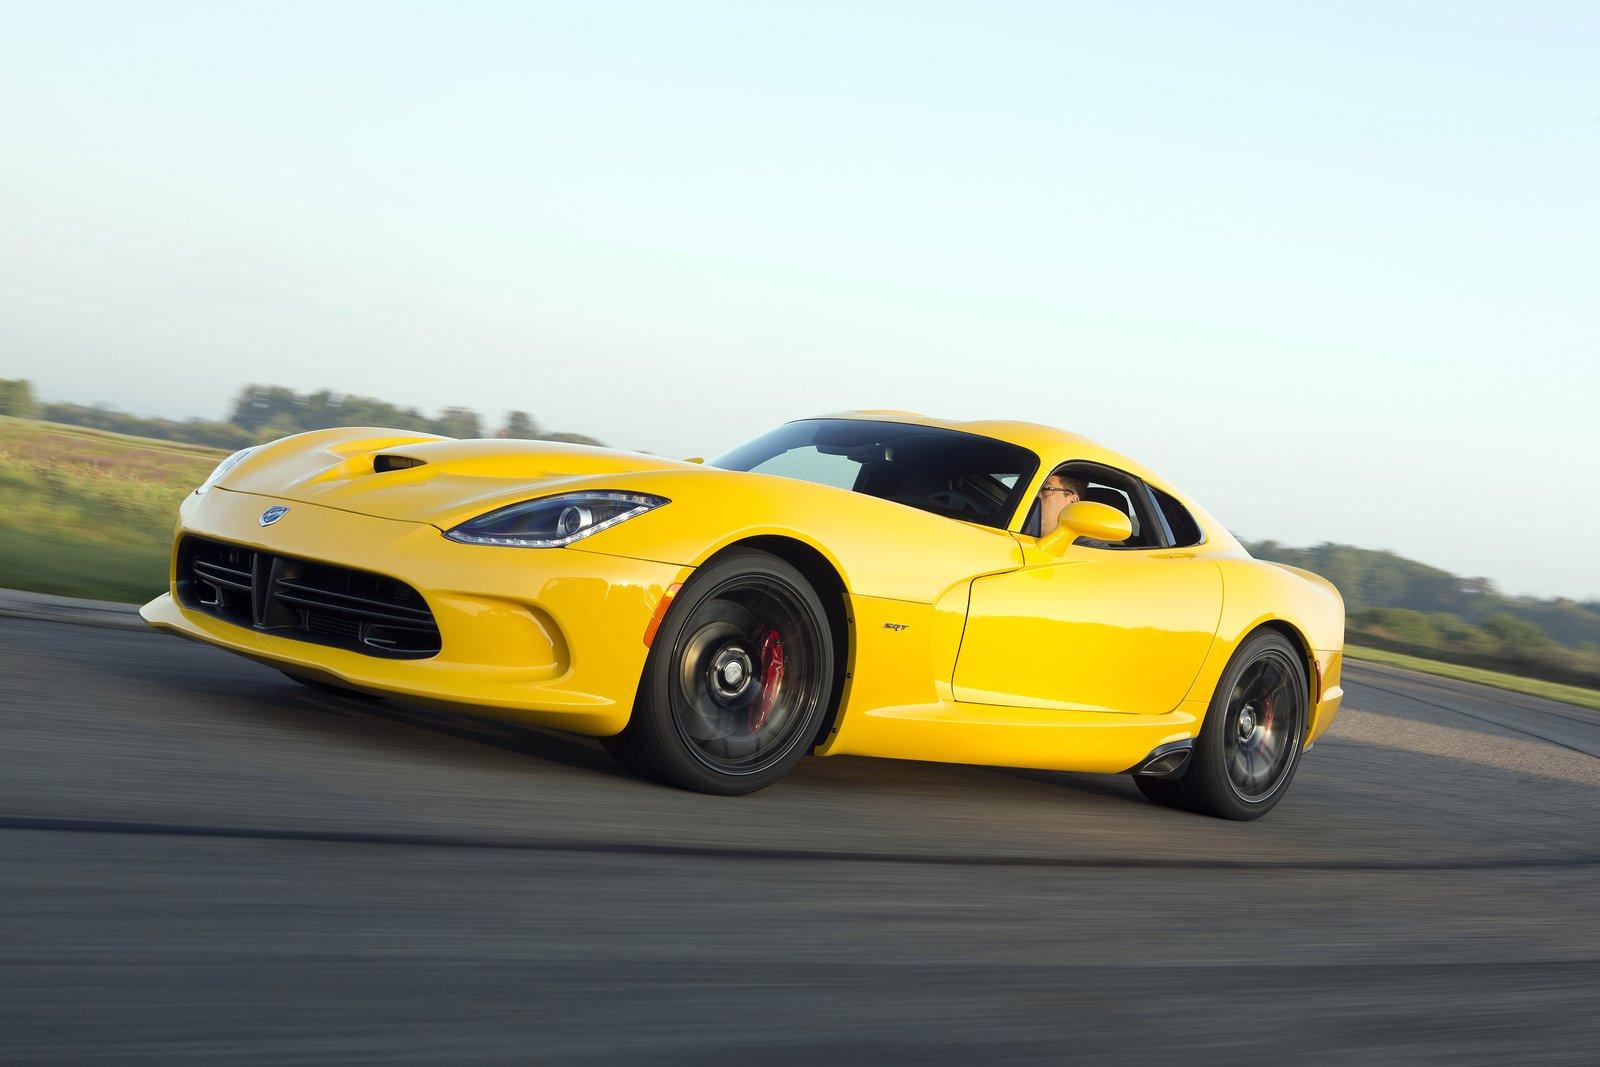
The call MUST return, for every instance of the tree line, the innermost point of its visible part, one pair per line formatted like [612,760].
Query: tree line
[266,412]
[1399,604]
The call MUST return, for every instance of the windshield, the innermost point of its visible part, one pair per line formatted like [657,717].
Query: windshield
[958,475]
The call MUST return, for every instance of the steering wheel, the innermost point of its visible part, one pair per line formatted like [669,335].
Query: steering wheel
[955,500]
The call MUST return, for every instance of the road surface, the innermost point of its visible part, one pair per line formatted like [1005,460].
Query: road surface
[201,861]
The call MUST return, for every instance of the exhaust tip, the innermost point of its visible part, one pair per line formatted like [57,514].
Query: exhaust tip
[1166,761]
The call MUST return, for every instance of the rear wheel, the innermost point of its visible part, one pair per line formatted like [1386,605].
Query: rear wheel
[1249,747]
[738,680]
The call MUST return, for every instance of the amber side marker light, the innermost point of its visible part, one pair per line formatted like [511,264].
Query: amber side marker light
[661,612]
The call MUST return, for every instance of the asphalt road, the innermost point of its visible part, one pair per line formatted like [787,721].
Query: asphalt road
[202,861]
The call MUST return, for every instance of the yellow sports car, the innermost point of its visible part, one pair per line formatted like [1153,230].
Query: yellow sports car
[871,583]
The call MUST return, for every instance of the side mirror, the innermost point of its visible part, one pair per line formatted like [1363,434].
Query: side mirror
[1087,518]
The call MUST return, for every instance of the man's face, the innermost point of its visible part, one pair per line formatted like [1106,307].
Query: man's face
[1053,498]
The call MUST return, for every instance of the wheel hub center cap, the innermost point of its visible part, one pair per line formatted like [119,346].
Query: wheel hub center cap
[1247,724]
[730,672]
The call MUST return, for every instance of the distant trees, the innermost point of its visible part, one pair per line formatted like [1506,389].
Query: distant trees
[572,439]
[193,431]
[265,412]
[1405,606]
[273,411]
[458,422]
[260,408]
[519,425]
[16,398]
[522,426]
[257,406]
[1374,579]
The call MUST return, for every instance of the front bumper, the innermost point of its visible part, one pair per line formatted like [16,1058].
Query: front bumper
[550,637]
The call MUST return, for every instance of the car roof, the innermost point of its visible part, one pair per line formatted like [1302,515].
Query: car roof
[1053,446]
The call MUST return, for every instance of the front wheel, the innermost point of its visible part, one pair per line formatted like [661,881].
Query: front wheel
[1249,747]
[737,682]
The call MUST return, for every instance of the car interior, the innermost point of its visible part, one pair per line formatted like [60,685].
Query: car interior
[957,475]
[1114,489]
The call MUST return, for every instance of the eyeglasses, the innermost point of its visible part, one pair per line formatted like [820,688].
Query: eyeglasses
[1058,489]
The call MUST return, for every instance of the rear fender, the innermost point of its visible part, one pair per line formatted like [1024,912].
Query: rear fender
[1257,594]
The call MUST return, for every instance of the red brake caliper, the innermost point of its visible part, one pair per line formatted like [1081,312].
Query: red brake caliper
[771,678]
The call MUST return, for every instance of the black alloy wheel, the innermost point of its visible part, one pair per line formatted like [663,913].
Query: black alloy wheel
[1260,731]
[1250,746]
[738,680]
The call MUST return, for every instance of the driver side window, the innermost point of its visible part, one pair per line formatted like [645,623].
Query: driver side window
[1114,488]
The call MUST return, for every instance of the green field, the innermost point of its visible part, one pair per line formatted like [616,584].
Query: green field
[88,513]
[1571,694]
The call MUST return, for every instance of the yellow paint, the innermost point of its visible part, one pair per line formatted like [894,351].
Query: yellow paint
[967,644]
[1098,630]
[1086,518]
[547,637]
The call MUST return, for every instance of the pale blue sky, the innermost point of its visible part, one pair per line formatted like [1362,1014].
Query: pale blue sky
[1332,268]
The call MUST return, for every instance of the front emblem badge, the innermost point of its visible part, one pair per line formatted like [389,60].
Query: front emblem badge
[273,514]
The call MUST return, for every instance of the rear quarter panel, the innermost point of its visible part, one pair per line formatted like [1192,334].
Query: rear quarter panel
[1256,593]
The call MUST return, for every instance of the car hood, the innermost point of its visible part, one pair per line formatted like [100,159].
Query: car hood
[419,478]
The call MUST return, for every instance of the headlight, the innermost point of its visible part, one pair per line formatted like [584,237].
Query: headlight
[223,468]
[555,520]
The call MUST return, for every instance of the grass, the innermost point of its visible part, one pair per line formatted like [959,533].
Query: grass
[89,513]
[1570,694]
[103,447]
[128,573]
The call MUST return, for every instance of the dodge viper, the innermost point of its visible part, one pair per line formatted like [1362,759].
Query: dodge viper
[871,583]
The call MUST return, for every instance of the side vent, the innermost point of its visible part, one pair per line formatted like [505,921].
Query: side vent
[383,464]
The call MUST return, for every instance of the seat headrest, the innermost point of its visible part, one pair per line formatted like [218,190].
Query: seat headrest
[1101,495]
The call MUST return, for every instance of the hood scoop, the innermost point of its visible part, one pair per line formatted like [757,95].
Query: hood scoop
[383,463]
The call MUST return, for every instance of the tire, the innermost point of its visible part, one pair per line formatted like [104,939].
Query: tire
[738,683]
[329,689]
[619,749]
[1246,754]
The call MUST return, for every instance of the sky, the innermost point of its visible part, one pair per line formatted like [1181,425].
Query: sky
[1334,270]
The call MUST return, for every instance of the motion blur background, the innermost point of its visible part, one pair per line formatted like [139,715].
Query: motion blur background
[1331,268]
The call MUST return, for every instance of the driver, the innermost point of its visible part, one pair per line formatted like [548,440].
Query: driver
[1054,496]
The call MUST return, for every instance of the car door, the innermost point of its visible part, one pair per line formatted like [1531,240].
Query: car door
[1098,628]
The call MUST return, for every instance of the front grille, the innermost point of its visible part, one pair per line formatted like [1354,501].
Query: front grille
[308,601]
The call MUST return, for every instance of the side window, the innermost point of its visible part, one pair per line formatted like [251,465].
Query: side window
[1105,485]
[1185,531]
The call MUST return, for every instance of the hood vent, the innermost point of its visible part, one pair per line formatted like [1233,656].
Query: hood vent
[383,464]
